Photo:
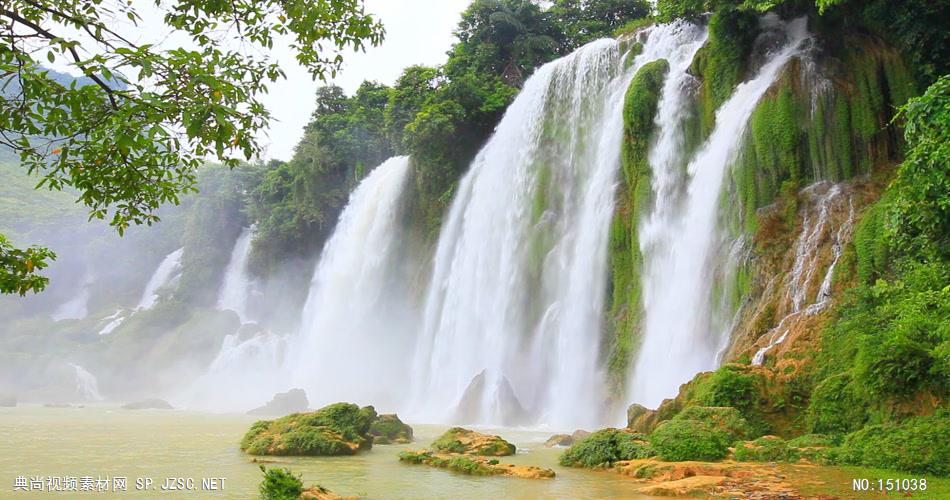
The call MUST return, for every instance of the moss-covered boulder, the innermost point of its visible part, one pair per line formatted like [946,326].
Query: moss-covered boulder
[765,449]
[918,445]
[606,446]
[388,429]
[466,442]
[337,429]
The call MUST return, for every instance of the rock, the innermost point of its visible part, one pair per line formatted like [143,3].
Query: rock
[566,439]
[640,418]
[148,404]
[559,440]
[388,429]
[686,487]
[320,493]
[337,429]
[7,401]
[284,403]
[579,434]
[475,466]
[466,442]
[504,405]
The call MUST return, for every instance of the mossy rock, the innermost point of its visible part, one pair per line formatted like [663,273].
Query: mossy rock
[474,466]
[680,440]
[606,446]
[337,429]
[466,442]
[388,429]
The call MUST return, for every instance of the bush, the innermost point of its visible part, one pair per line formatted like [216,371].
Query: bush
[724,419]
[918,445]
[679,440]
[765,449]
[280,484]
[606,446]
[834,407]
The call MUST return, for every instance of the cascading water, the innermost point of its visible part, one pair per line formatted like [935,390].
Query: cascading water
[245,373]
[86,384]
[513,312]
[163,275]
[816,228]
[680,241]
[78,306]
[237,285]
[356,326]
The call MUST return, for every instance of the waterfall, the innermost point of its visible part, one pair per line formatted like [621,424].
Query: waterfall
[512,318]
[86,384]
[114,321]
[245,373]
[356,326]
[237,284]
[816,221]
[680,241]
[164,274]
[78,306]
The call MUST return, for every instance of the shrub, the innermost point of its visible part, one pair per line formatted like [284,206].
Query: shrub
[765,449]
[834,407]
[679,440]
[280,484]
[918,445]
[606,446]
[724,419]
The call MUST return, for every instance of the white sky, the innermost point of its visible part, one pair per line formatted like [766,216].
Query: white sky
[417,32]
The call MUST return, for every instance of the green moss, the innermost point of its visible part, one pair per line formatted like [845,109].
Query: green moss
[459,464]
[337,429]
[634,192]
[871,242]
[721,63]
[606,446]
[679,440]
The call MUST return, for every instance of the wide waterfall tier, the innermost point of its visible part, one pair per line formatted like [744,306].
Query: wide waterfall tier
[356,329]
[512,320]
[680,240]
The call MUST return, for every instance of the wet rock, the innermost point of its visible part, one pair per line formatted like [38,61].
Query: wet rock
[502,402]
[466,442]
[686,487]
[388,429]
[148,404]
[7,401]
[337,429]
[283,403]
[559,440]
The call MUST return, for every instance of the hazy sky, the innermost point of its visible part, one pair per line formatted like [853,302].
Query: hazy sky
[417,32]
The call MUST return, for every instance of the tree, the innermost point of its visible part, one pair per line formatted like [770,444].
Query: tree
[133,138]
